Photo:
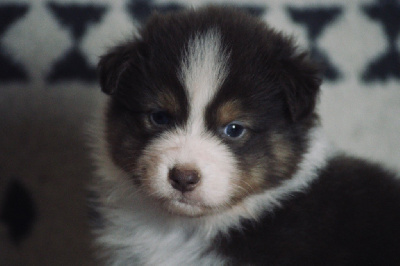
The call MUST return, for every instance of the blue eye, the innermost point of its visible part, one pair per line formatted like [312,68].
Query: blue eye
[160,118]
[234,130]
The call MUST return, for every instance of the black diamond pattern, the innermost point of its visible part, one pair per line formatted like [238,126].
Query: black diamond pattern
[386,12]
[316,20]
[76,18]
[140,9]
[72,66]
[10,70]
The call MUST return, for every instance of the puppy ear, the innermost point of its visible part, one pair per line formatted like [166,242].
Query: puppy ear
[116,62]
[301,81]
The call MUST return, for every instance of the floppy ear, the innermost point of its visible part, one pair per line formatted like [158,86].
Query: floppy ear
[301,81]
[116,62]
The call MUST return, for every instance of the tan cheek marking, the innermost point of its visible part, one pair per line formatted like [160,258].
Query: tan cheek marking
[147,171]
[266,172]
[284,158]
[250,181]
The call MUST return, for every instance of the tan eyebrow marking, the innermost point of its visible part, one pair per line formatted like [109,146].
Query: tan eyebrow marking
[230,111]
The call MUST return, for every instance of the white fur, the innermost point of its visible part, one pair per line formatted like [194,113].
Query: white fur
[139,231]
[205,153]
[203,69]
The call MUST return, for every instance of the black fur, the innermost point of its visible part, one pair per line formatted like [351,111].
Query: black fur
[349,216]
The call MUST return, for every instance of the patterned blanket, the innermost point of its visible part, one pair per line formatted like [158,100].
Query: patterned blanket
[48,93]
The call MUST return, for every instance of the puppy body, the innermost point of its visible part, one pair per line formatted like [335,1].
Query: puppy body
[210,153]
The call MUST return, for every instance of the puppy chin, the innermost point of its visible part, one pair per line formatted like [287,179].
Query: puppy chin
[189,204]
[183,207]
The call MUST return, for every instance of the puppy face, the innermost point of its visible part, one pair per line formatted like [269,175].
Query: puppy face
[207,108]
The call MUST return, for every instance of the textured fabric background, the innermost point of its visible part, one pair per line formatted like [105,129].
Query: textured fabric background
[48,92]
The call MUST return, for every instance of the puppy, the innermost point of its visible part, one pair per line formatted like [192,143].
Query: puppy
[210,152]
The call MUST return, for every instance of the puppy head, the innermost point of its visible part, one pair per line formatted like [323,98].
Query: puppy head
[207,107]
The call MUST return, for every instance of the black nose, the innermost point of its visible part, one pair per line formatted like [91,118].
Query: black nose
[184,179]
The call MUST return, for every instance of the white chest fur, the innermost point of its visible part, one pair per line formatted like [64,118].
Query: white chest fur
[141,236]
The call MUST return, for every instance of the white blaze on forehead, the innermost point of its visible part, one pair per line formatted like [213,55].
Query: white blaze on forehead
[203,70]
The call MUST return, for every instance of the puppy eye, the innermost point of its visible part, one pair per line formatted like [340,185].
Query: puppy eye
[234,130]
[160,118]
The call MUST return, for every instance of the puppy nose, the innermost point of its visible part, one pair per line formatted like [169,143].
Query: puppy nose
[184,180]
